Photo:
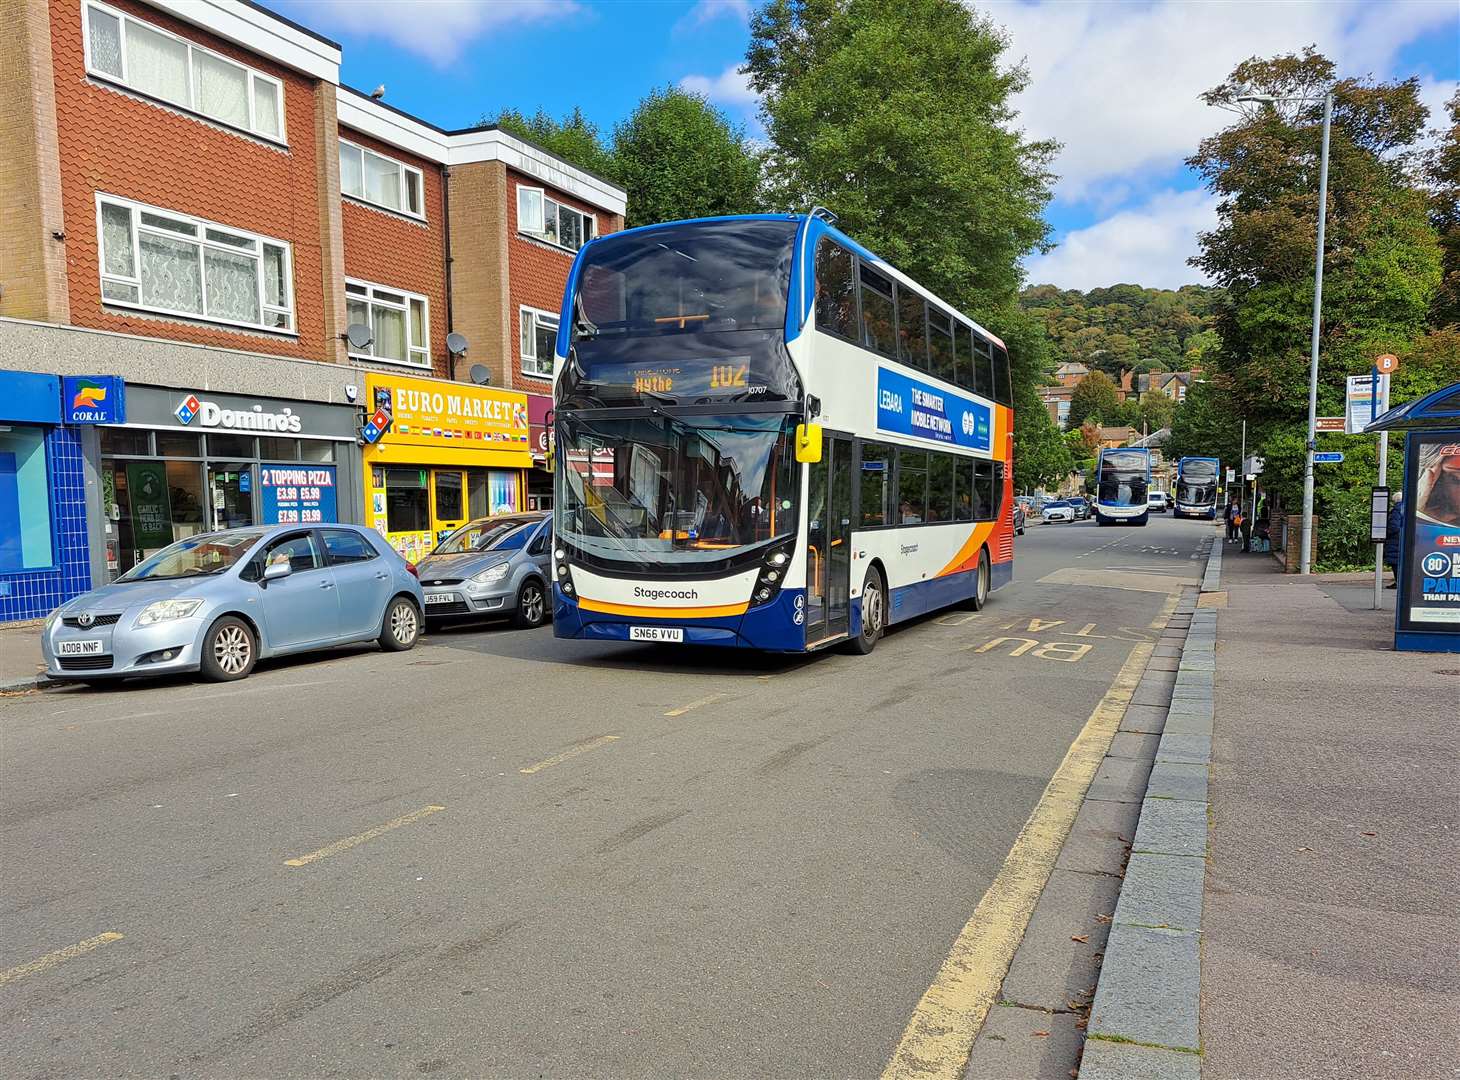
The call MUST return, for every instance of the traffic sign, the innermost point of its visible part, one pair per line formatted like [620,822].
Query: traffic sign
[1364,404]
[1328,423]
[1387,363]
[1329,457]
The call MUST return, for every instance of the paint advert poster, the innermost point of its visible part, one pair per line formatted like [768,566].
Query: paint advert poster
[1433,592]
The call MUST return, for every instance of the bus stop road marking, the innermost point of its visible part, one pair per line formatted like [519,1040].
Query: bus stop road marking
[60,956]
[369,834]
[939,1036]
[701,703]
[571,752]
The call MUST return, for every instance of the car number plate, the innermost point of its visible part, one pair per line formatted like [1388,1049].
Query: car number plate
[656,633]
[78,648]
[440,598]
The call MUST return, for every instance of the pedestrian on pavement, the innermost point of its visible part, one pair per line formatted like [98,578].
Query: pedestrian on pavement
[1231,516]
[1392,529]
[1245,524]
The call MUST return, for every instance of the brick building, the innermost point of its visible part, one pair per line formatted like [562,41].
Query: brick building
[197,209]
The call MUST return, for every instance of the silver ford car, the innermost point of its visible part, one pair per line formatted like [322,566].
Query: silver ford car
[220,601]
[492,566]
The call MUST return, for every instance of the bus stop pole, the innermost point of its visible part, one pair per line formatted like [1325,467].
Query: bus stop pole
[1383,482]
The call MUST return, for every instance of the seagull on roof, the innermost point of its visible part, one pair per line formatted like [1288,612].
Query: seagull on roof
[378,92]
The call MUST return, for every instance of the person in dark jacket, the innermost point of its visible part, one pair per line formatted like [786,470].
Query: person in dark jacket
[1231,516]
[1392,533]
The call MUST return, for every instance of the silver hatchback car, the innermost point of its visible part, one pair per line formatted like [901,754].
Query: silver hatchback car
[491,566]
[219,602]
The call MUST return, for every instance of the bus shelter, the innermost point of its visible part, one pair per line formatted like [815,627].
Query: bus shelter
[1427,612]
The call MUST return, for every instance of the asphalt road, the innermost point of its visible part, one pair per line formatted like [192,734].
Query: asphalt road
[507,855]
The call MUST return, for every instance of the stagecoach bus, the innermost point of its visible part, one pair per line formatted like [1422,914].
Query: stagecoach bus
[765,436]
[1196,487]
[1122,482]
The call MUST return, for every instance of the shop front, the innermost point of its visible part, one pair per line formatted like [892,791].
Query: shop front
[540,478]
[190,461]
[439,454]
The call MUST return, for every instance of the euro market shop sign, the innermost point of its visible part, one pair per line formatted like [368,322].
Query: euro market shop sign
[445,453]
[187,461]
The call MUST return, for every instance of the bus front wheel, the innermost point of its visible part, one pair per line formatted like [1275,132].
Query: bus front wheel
[874,614]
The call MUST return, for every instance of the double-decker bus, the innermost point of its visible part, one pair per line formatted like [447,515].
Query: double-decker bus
[766,436]
[1196,487]
[1122,483]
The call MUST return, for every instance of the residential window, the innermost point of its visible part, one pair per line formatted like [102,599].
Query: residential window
[539,341]
[399,323]
[179,265]
[142,57]
[544,218]
[380,180]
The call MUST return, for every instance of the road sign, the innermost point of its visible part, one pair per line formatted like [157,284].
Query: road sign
[1328,423]
[1362,405]
[1332,457]
[1231,475]
[1387,363]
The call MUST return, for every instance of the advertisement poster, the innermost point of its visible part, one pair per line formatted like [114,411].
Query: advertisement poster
[1433,561]
[297,494]
[151,505]
[907,406]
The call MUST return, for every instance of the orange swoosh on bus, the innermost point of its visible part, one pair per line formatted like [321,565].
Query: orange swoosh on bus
[969,550]
[711,612]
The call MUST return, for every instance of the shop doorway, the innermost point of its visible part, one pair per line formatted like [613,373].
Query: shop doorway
[448,494]
[230,487]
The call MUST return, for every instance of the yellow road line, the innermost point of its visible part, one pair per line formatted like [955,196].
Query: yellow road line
[60,956]
[939,1037]
[571,752]
[369,834]
[694,705]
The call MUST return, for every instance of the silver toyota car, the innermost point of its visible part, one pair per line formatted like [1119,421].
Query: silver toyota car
[218,602]
[489,567]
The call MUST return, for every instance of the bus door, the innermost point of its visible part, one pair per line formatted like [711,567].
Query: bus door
[828,541]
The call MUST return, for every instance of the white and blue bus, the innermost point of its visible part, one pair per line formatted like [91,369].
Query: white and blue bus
[1122,483]
[767,437]
[1196,487]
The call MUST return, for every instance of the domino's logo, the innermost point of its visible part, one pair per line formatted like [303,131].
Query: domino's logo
[968,424]
[188,408]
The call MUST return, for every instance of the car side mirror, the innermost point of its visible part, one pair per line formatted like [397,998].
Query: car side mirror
[275,570]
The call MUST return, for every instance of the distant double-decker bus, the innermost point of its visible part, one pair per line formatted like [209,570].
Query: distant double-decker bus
[1122,484]
[767,437]
[1196,487]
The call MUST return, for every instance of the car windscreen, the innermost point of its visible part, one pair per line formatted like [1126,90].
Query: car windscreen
[197,556]
[488,534]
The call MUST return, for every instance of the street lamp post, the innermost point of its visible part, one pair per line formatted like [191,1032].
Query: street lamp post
[1306,558]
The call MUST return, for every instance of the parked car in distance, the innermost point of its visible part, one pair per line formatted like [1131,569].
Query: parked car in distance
[1081,507]
[1157,502]
[1058,510]
[1019,518]
[489,567]
[219,602]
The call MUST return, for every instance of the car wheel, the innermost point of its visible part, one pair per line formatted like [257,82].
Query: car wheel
[982,582]
[401,627]
[531,605]
[229,650]
[874,614]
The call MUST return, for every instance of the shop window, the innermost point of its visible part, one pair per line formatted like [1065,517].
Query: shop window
[502,491]
[317,450]
[544,218]
[125,441]
[539,341]
[407,506]
[836,295]
[345,546]
[25,502]
[231,446]
[912,486]
[275,449]
[876,484]
[399,323]
[448,496]
[381,180]
[179,444]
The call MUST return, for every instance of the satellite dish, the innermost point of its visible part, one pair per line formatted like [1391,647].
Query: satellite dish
[456,344]
[359,337]
[479,374]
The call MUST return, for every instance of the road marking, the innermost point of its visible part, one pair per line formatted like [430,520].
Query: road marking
[571,752]
[695,705]
[1117,579]
[940,1034]
[60,956]
[369,834]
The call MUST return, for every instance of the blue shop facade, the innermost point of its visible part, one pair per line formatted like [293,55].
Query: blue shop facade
[46,424]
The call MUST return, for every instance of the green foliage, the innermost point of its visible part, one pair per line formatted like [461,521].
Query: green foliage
[679,157]
[575,138]
[1097,398]
[1155,412]
[1442,170]
[1126,327]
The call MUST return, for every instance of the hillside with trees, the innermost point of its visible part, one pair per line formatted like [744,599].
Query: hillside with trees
[1127,327]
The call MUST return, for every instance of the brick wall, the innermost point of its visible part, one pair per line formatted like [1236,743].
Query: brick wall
[399,251]
[478,195]
[113,141]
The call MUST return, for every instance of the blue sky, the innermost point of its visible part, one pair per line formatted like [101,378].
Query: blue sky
[1115,82]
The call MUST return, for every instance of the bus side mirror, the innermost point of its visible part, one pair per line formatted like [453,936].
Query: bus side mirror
[808,443]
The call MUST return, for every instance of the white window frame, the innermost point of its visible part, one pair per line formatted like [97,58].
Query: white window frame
[532,316]
[418,354]
[254,75]
[538,217]
[403,169]
[201,226]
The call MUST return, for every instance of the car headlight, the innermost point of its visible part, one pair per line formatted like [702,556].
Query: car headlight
[491,574]
[167,610]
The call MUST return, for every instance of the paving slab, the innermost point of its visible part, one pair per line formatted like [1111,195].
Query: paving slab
[1137,745]
[1162,890]
[1025,1043]
[1183,719]
[1149,986]
[1166,650]
[1120,780]
[1149,694]
[1104,1060]
[1172,827]
[1193,749]
[1163,663]
[1146,719]
[1050,969]
[1177,780]
[1100,838]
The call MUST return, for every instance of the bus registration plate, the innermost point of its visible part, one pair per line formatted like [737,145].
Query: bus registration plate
[656,633]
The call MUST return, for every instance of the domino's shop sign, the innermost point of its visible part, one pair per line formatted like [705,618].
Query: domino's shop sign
[908,406]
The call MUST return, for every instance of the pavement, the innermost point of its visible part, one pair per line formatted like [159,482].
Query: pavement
[503,855]
[21,666]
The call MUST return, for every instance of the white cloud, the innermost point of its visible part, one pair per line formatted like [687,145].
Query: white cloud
[439,30]
[707,11]
[1436,93]
[1119,84]
[1148,245]
[730,87]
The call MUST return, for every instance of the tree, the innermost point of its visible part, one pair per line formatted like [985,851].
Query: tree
[1442,170]
[575,138]
[679,157]
[1155,412]
[1096,397]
